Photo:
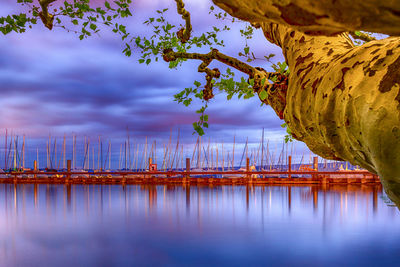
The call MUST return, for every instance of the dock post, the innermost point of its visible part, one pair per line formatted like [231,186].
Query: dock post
[187,169]
[35,168]
[315,165]
[68,170]
[247,168]
[150,162]
[289,166]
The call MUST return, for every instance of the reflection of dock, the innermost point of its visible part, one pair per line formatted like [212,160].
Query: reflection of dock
[191,177]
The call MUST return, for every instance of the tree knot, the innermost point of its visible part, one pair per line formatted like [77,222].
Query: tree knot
[182,35]
[208,88]
[168,55]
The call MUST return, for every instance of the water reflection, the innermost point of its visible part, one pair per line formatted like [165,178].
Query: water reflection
[152,224]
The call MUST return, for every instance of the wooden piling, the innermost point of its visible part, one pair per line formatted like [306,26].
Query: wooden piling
[68,170]
[35,168]
[187,168]
[289,166]
[150,162]
[315,163]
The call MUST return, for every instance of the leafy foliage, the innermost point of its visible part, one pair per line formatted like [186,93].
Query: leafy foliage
[165,37]
[288,137]
[77,16]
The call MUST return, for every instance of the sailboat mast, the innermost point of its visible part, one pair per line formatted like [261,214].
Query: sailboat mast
[126,162]
[223,156]
[145,155]
[262,150]
[137,157]
[98,155]
[268,155]
[198,154]
[155,151]
[47,154]
[23,152]
[109,155]
[50,159]
[5,150]
[233,153]
[217,159]
[129,148]
[15,154]
[194,151]
[88,154]
[212,159]
[64,152]
[119,160]
[73,151]
[85,153]
[55,152]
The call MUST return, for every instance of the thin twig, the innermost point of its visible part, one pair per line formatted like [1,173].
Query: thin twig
[44,15]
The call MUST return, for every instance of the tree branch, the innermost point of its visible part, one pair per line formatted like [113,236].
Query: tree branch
[184,33]
[259,75]
[170,55]
[44,15]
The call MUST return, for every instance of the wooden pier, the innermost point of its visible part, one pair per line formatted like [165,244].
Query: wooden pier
[192,178]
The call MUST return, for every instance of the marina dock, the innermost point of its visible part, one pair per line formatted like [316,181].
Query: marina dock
[192,178]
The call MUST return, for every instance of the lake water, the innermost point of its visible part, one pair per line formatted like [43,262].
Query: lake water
[94,225]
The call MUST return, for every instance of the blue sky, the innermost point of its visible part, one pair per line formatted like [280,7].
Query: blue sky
[52,83]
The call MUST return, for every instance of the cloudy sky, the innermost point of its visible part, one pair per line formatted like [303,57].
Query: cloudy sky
[53,83]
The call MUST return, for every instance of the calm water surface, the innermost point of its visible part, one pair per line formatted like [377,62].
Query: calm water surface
[94,225]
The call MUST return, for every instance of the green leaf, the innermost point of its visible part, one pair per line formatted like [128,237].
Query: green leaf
[199,130]
[263,94]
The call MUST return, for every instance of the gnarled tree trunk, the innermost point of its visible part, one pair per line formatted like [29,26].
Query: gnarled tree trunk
[343,100]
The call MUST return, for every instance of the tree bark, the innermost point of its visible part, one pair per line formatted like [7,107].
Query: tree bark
[343,100]
[318,17]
